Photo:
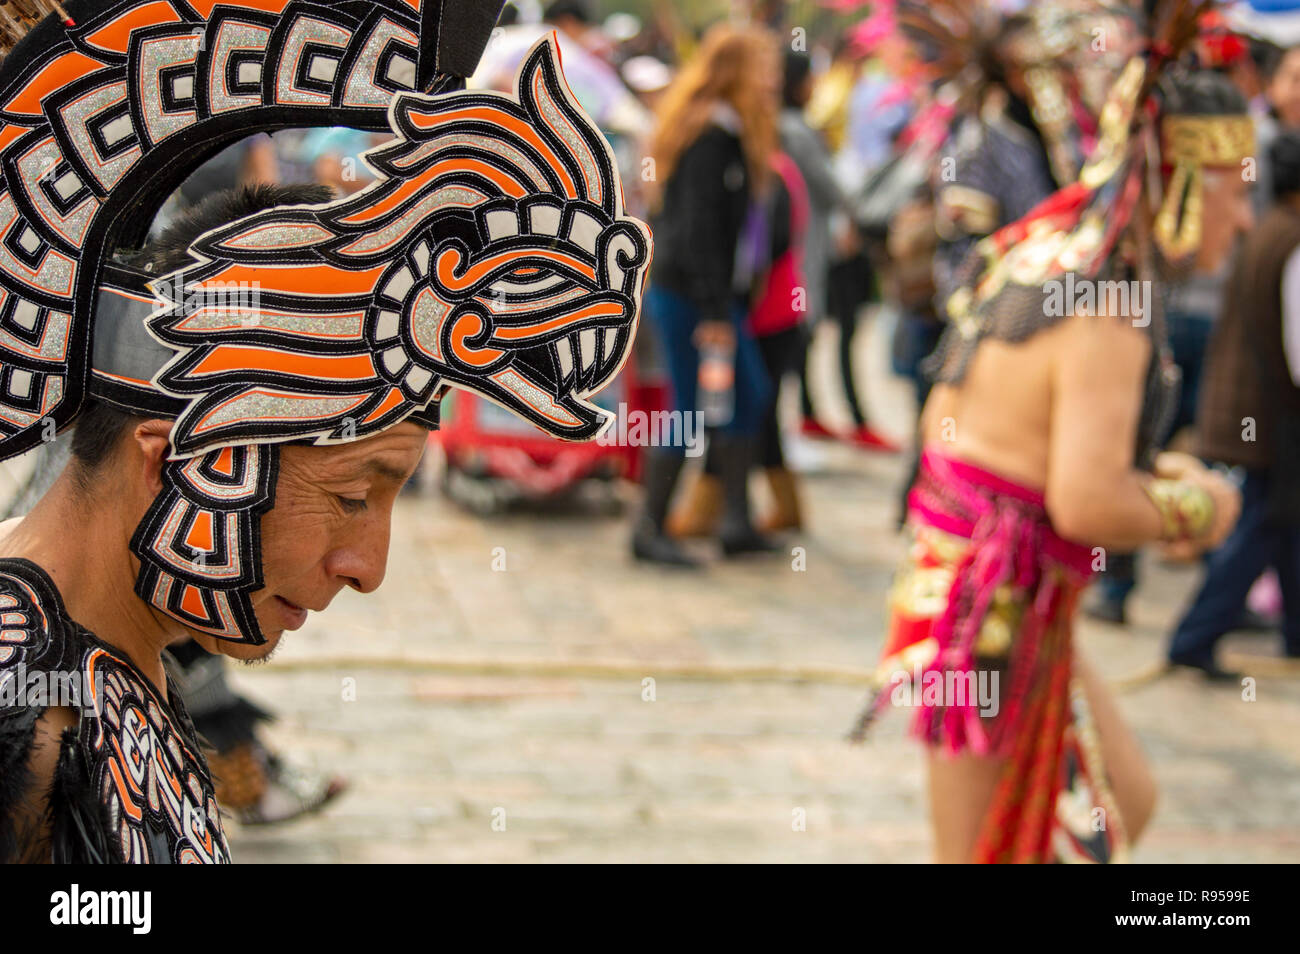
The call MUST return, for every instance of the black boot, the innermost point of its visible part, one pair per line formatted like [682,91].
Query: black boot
[737,534]
[1206,666]
[649,540]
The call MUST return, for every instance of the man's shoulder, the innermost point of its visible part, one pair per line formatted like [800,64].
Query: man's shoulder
[33,649]
[33,624]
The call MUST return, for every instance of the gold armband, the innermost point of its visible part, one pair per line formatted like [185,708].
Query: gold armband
[1186,510]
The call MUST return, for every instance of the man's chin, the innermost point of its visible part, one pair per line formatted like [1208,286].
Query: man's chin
[245,652]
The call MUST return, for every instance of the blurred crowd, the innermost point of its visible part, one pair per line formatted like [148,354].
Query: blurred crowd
[796,179]
[791,179]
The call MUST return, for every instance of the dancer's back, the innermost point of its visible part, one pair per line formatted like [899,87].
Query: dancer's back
[1057,412]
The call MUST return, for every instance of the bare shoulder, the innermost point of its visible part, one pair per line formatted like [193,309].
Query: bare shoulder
[1100,344]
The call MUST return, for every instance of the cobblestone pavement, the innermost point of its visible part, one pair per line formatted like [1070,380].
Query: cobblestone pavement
[489,703]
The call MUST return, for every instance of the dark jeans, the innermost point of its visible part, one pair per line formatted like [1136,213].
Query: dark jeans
[915,338]
[675,318]
[783,353]
[1188,337]
[1120,576]
[849,284]
[1255,544]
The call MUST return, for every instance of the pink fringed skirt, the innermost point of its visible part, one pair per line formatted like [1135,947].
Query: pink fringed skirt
[979,647]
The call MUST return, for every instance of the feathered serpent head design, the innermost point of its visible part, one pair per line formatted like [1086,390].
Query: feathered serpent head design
[492,254]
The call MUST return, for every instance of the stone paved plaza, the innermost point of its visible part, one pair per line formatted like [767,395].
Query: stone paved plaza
[489,703]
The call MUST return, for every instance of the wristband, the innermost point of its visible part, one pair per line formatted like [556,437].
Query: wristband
[1186,510]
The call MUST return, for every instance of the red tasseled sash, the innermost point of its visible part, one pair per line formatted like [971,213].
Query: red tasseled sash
[1013,550]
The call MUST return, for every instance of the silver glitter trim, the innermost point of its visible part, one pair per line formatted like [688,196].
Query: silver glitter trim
[157,55]
[280,237]
[35,164]
[76,117]
[458,196]
[280,406]
[594,187]
[361,89]
[220,490]
[499,307]
[169,536]
[305,30]
[232,36]
[305,324]
[523,169]
[53,390]
[55,273]
[533,396]
[427,317]
[54,340]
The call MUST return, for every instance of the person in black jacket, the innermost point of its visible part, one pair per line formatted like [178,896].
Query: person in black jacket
[711,148]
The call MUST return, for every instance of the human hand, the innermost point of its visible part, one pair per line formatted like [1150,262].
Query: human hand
[1227,508]
[717,334]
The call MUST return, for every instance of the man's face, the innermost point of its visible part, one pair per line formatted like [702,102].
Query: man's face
[1284,88]
[328,530]
[1225,213]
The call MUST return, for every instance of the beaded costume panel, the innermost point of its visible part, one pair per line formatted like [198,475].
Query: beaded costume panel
[132,784]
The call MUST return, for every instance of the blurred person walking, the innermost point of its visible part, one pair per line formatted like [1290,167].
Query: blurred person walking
[808,152]
[776,320]
[1249,417]
[875,106]
[1276,110]
[1195,301]
[712,147]
[791,299]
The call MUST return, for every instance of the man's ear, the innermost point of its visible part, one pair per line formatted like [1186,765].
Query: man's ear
[152,437]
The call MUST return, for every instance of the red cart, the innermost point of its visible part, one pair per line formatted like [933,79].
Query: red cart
[493,459]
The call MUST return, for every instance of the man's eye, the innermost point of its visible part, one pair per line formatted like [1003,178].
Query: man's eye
[352,504]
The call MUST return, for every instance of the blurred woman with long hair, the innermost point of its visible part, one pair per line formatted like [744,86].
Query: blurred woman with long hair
[714,137]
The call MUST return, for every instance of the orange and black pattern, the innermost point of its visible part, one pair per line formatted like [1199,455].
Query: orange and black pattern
[156,795]
[492,255]
[199,544]
[131,785]
[100,119]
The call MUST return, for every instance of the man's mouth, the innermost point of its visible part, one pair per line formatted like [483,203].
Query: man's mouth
[293,614]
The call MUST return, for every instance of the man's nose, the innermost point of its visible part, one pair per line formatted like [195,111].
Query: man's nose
[362,560]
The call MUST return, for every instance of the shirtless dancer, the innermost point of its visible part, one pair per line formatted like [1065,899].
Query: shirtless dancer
[1038,452]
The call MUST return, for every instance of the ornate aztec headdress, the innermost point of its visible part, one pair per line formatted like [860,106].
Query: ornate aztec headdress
[968,44]
[1078,228]
[492,254]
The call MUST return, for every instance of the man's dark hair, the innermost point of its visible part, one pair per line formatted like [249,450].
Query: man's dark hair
[1202,93]
[1284,159]
[100,426]
[170,249]
[560,9]
[1266,56]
